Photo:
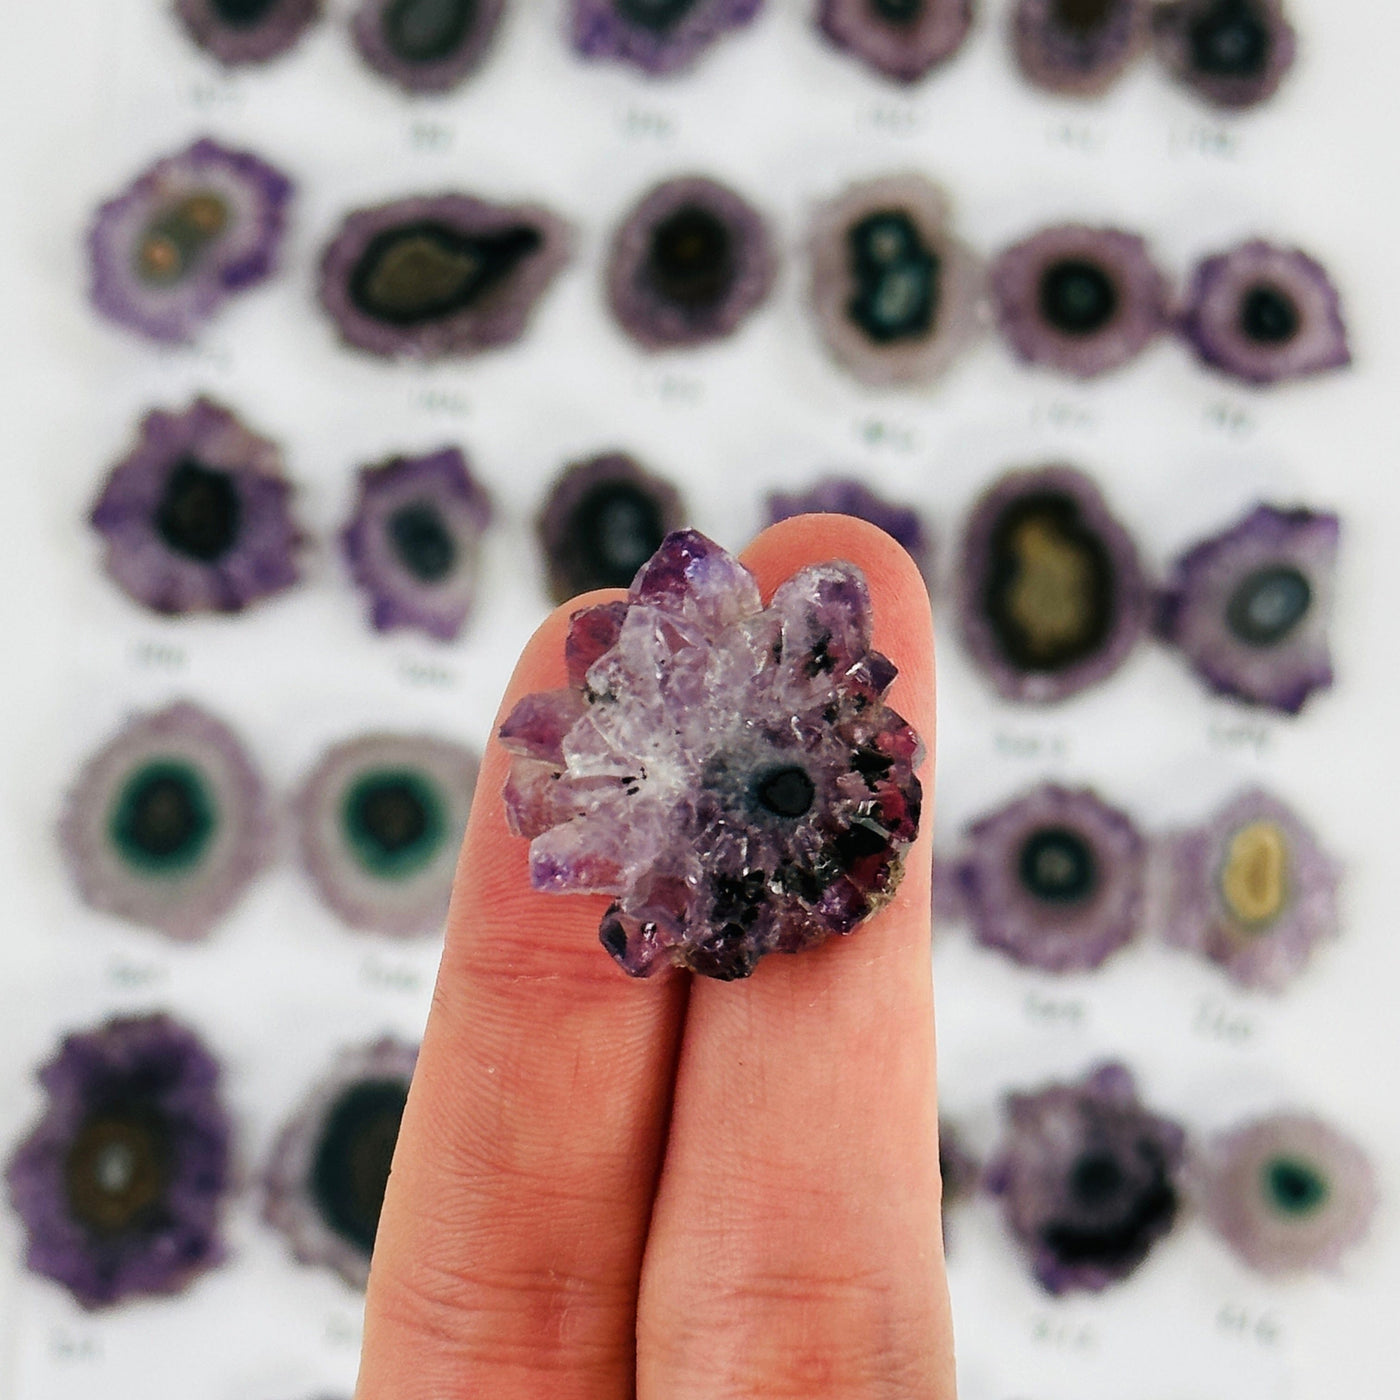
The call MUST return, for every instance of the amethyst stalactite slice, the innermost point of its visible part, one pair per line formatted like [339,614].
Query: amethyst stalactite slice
[729,773]
[1077,48]
[426,46]
[903,40]
[1233,53]
[238,32]
[661,37]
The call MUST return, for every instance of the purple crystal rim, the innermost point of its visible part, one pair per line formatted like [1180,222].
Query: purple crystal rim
[428,75]
[1073,61]
[599,31]
[1172,26]
[277,30]
[903,51]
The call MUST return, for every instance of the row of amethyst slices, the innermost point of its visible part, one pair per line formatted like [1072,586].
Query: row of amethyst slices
[1231,53]
[896,294]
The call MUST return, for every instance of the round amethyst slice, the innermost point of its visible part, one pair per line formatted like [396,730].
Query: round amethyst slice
[897,297]
[381,820]
[196,517]
[1053,597]
[121,1184]
[1263,314]
[414,542]
[1054,880]
[246,31]
[1078,48]
[661,37]
[1083,301]
[730,773]
[1088,1179]
[191,231]
[425,45]
[844,495]
[167,824]
[1252,891]
[900,39]
[1288,1193]
[602,520]
[1233,53]
[689,264]
[1250,607]
[330,1165]
[440,275]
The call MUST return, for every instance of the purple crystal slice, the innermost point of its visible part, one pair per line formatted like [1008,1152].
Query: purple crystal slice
[730,773]
[1233,53]
[246,31]
[845,495]
[903,40]
[661,37]
[426,45]
[1078,48]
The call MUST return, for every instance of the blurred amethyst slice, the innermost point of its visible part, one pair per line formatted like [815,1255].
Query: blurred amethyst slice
[1250,607]
[414,542]
[900,39]
[1288,1193]
[897,296]
[1233,53]
[1054,880]
[121,1184]
[324,1187]
[246,31]
[602,520]
[959,1171]
[381,820]
[661,37]
[1252,891]
[1053,596]
[168,823]
[1263,314]
[191,231]
[689,263]
[425,45]
[844,495]
[1087,1179]
[196,517]
[730,773]
[440,275]
[1084,301]
[1078,48]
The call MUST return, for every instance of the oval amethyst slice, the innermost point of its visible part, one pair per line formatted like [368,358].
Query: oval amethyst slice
[1084,301]
[1250,608]
[900,39]
[183,237]
[121,1184]
[661,37]
[1233,53]
[425,45]
[246,31]
[897,296]
[1053,598]
[602,520]
[1055,880]
[440,275]
[324,1186]
[1078,48]
[843,495]
[414,542]
[689,263]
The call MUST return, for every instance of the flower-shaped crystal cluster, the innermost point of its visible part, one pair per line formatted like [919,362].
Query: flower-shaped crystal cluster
[729,773]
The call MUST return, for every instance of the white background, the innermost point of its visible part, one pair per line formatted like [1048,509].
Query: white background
[93,90]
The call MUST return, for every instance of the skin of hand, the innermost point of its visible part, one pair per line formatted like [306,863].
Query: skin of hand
[671,1189]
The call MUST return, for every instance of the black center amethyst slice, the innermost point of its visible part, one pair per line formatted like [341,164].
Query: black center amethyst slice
[661,37]
[729,773]
[426,45]
[1233,53]
[238,32]
[903,40]
[1079,48]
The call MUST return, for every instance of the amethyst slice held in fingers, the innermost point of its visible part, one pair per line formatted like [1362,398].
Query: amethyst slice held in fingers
[324,1185]
[729,773]
[1252,891]
[1053,597]
[1233,53]
[442,275]
[121,1184]
[661,37]
[903,40]
[1088,1179]
[425,46]
[246,31]
[1055,880]
[167,824]
[1250,608]
[1078,48]
[841,495]
[414,542]
[196,516]
[191,231]
[1084,301]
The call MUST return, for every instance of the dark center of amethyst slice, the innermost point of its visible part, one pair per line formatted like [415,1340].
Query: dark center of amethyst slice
[423,272]
[896,277]
[200,512]
[1057,865]
[616,529]
[1096,1179]
[1117,1208]
[1268,605]
[659,15]
[422,542]
[351,1166]
[427,31]
[691,258]
[1077,297]
[897,11]
[176,238]
[1230,40]
[163,818]
[394,822]
[117,1169]
[1269,316]
[242,14]
[1294,1187]
[787,791]
[1082,16]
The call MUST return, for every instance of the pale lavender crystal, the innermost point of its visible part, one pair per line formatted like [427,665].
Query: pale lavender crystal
[729,773]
